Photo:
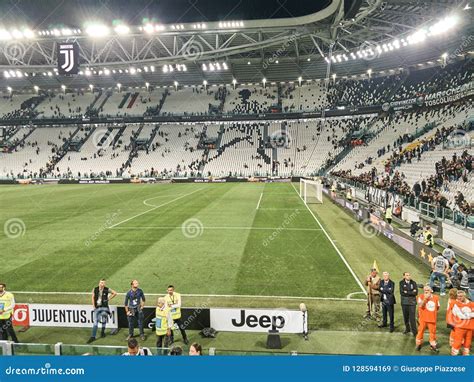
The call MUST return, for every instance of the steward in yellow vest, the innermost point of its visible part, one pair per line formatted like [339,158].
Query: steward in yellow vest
[428,238]
[163,323]
[173,300]
[7,304]
[388,214]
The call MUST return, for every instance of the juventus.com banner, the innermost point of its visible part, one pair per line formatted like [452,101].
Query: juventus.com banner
[68,316]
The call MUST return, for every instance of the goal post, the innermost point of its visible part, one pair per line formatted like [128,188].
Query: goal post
[311,191]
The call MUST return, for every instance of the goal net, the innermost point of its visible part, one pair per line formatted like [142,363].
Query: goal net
[311,191]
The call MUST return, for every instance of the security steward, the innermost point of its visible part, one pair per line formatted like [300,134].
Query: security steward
[163,323]
[173,300]
[388,214]
[349,195]
[428,238]
[7,304]
[408,293]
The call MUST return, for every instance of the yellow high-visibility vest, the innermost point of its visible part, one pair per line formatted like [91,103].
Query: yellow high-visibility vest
[388,213]
[6,304]
[171,300]
[428,241]
[161,320]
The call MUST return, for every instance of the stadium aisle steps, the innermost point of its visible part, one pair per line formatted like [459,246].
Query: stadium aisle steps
[95,100]
[124,99]
[132,101]
[107,96]
[20,142]
[118,135]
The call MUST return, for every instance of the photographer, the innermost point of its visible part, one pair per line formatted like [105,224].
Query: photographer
[134,303]
[101,295]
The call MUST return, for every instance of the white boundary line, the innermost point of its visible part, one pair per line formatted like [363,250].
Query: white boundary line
[259,200]
[223,228]
[333,244]
[154,208]
[205,295]
[281,209]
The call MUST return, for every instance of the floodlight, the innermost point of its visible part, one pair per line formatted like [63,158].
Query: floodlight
[149,28]
[97,30]
[122,29]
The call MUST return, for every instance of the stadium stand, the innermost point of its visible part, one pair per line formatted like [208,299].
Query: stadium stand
[250,100]
[190,101]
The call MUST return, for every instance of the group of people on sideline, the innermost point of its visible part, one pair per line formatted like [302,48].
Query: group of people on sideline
[167,313]
[459,314]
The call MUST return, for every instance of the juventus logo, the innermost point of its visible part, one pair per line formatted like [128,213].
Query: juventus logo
[68,58]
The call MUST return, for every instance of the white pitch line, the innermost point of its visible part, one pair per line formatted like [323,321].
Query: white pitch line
[154,208]
[280,209]
[236,228]
[259,200]
[155,197]
[332,242]
[203,295]
[354,293]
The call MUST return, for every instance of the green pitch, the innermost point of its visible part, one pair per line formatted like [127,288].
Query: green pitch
[203,238]
[229,245]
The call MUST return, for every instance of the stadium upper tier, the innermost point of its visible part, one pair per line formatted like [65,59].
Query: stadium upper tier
[309,96]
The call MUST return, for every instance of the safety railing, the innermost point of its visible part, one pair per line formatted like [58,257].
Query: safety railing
[9,348]
[426,209]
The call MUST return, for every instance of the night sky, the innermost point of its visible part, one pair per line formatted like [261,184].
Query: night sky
[41,14]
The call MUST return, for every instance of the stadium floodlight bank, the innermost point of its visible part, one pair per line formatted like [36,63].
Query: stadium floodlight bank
[311,191]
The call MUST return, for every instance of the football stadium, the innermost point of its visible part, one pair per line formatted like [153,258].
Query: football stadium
[236,178]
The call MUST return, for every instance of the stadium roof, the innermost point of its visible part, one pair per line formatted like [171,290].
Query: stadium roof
[364,35]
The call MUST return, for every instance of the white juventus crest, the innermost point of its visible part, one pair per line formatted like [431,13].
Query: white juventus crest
[67,60]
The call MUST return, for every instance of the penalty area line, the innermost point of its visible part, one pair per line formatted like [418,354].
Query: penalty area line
[259,200]
[222,228]
[332,242]
[154,208]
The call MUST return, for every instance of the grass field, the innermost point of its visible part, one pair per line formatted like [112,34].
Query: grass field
[234,244]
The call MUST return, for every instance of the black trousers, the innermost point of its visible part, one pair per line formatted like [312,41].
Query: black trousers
[181,329]
[388,309]
[6,329]
[409,316]
[159,341]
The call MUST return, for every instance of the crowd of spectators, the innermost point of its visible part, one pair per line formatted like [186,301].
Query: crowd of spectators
[428,190]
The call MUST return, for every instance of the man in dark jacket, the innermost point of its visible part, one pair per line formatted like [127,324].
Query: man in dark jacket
[387,297]
[408,293]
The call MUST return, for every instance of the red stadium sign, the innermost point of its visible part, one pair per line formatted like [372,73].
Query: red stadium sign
[21,315]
